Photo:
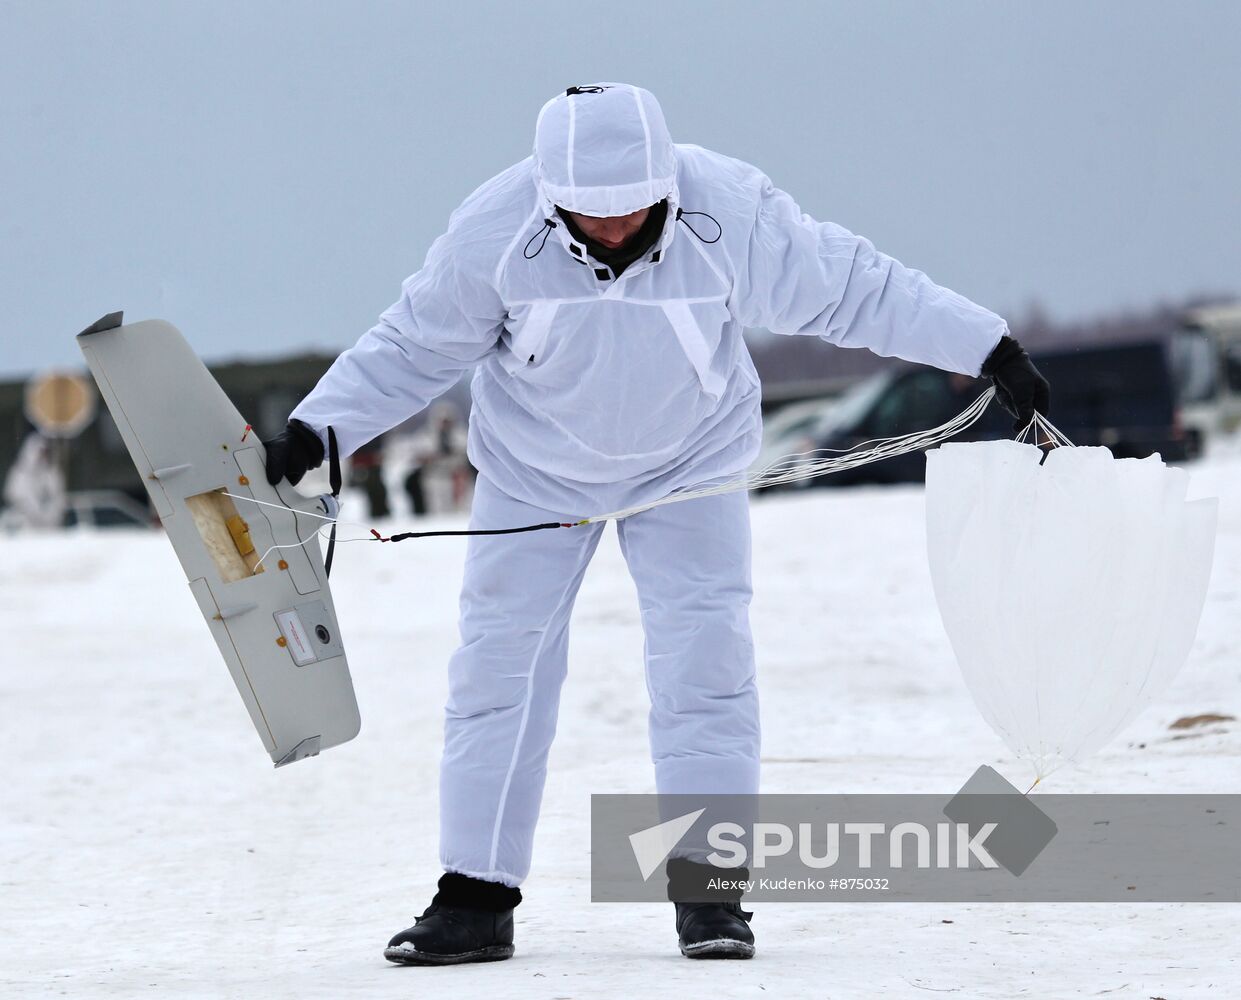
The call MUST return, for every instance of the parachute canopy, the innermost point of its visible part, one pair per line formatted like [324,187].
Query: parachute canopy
[1070,590]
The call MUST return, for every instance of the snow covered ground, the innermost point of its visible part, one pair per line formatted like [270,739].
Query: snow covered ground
[147,847]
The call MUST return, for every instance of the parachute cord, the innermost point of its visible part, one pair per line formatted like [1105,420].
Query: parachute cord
[809,464]
[1055,437]
[300,543]
[375,536]
[278,506]
[476,531]
[787,469]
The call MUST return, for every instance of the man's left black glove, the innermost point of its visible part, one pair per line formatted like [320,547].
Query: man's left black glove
[293,451]
[1018,385]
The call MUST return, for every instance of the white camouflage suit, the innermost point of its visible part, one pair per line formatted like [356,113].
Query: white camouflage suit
[593,393]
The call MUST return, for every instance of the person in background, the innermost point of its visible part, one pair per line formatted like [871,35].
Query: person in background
[439,453]
[34,488]
[366,473]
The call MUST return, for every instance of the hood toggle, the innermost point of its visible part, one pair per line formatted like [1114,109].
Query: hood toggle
[547,227]
[719,230]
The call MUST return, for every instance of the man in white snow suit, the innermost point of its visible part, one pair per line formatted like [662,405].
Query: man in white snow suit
[599,289]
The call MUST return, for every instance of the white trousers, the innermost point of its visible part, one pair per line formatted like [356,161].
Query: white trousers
[690,562]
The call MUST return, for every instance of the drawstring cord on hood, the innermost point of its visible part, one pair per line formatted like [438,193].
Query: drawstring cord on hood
[681,213]
[548,226]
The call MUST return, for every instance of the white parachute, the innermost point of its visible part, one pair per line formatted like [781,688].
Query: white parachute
[1070,586]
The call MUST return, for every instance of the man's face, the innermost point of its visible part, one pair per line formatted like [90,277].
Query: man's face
[612,231]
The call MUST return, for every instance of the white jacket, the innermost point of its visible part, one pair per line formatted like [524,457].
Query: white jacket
[592,393]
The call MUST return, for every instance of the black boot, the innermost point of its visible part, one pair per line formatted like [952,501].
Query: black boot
[469,920]
[710,921]
[714,930]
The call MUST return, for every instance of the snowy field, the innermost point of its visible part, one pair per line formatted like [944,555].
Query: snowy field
[147,847]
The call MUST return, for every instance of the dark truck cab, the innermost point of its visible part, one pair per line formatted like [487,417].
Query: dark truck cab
[1120,396]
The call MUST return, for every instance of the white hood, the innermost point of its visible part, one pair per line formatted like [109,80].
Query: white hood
[604,150]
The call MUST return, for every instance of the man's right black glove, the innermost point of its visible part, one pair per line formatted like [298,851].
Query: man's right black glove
[291,452]
[1018,385]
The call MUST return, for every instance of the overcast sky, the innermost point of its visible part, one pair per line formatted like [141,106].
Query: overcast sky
[263,175]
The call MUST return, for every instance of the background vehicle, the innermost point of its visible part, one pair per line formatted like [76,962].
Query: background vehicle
[1206,364]
[798,427]
[1120,396]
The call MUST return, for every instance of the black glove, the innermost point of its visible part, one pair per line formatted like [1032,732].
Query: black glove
[1019,387]
[292,452]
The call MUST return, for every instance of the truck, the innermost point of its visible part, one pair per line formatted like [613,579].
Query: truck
[1206,364]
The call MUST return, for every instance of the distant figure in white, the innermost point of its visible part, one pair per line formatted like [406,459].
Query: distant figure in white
[34,489]
[599,289]
[440,478]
